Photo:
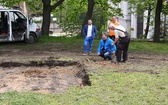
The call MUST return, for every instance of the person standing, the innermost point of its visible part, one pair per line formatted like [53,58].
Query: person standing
[115,23]
[89,32]
[105,48]
[123,37]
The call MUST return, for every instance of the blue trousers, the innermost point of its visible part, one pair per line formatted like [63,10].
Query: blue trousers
[106,55]
[88,42]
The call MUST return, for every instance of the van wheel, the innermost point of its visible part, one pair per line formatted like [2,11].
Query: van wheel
[32,38]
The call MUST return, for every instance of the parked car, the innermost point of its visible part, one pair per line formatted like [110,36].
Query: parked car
[14,26]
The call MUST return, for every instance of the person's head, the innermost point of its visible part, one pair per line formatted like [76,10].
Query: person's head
[114,19]
[89,22]
[104,36]
[112,26]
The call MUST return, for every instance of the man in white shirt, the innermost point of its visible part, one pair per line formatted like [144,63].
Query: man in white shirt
[89,32]
[122,38]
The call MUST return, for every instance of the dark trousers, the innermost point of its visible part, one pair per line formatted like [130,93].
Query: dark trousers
[122,48]
[105,55]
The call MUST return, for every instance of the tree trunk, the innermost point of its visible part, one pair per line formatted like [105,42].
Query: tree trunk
[46,20]
[47,8]
[157,21]
[89,13]
[148,21]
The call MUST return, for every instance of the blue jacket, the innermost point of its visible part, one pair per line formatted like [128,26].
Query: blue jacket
[85,30]
[107,46]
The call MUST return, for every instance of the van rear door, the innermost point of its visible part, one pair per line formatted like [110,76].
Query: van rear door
[19,25]
[4,26]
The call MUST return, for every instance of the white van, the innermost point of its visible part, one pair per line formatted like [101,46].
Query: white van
[14,26]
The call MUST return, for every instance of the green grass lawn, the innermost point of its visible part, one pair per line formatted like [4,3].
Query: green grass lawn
[145,46]
[137,46]
[108,87]
[68,42]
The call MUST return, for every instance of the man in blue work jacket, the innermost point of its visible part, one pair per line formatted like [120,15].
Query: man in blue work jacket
[89,32]
[105,48]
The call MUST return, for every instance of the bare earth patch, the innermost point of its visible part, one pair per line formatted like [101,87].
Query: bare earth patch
[41,79]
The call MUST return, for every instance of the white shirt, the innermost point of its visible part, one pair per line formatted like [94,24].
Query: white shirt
[89,32]
[119,33]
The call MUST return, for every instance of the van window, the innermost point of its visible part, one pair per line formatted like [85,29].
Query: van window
[18,20]
[20,15]
[3,22]
[17,15]
[13,17]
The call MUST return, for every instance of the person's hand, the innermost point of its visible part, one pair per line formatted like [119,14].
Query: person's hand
[113,44]
[113,53]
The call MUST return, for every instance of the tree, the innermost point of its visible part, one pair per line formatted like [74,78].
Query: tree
[157,21]
[73,13]
[165,13]
[70,15]
[104,4]
[138,7]
[35,8]
[89,12]
[149,7]
[47,8]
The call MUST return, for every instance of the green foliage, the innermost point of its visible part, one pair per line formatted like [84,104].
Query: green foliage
[10,3]
[71,14]
[34,6]
[140,6]
[165,8]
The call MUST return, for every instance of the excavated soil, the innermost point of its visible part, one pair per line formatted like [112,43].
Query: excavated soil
[48,76]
